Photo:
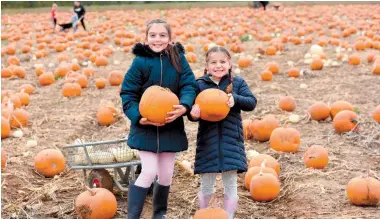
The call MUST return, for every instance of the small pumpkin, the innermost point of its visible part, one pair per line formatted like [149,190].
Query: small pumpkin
[294,72]
[354,59]
[5,128]
[213,104]
[262,129]
[49,162]
[46,78]
[338,106]
[266,75]
[287,103]
[363,191]
[71,89]
[100,83]
[115,78]
[244,62]
[345,121]
[285,139]
[106,115]
[96,203]
[376,67]
[272,67]
[18,118]
[253,171]
[101,61]
[269,162]
[319,111]
[156,102]
[27,88]
[211,213]
[376,114]
[316,64]
[316,157]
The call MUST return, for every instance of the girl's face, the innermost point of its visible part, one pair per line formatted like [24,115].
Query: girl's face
[218,64]
[158,37]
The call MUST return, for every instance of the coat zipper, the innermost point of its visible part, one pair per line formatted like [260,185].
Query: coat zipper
[219,143]
[158,132]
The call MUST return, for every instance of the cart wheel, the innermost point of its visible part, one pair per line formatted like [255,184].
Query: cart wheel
[100,178]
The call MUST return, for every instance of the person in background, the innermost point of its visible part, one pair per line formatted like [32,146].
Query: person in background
[80,11]
[53,15]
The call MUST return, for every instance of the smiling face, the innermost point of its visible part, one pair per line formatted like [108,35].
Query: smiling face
[158,37]
[218,64]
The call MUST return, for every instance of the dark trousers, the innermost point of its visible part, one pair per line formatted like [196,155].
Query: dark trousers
[82,22]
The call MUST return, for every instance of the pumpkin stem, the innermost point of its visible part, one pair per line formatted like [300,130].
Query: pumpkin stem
[92,192]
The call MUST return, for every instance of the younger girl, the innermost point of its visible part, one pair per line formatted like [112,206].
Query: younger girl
[53,15]
[220,145]
[157,62]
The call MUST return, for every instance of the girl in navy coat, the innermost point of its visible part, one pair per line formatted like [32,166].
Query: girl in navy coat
[157,62]
[220,145]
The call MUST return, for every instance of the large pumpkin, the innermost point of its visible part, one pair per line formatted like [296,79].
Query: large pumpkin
[363,191]
[264,187]
[156,102]
[213,104]
[345,121]
[211,213]
[49,162]
[97,203]
[316,157]
[285,139]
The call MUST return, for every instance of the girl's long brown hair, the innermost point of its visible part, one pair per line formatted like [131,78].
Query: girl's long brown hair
[225,51]
[174,56]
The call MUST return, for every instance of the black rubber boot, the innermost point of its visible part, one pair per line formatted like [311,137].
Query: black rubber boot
[160,200]
[136,200]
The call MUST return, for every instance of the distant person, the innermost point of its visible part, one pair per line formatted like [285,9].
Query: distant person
[80,11]
[258,4]
[53,15]
[73,23]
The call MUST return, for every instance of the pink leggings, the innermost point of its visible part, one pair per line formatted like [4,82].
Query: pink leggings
[153,164]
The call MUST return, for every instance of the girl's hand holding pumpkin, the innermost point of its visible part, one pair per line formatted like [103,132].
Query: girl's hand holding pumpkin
[231,101]
[178,111]
[195,111]
[145,121]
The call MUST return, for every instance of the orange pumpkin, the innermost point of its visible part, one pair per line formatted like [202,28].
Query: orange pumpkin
[49,162]
[115,78]
[287,103]
[18,118]
[269,162]
[5,128]
[253,171]
[285,139]
[24,98]
[262,129]
[82,81]
[96,203]
[213,104]
[376,68]
[106,115]
[294,72]
[266,75]
[272,67]
[363,191]
[19,72]
[345,121]
[3,158]
[271,50]
[100,83]
[376,114]
[101,61]
[156,102]
[6,72]
[316,64]
[26,88]
[89,72]
[264,187]
[316,157]
[319,111]
[61,70]
[46,79]
[211,213]
[39,70]
[354,59]
[71,89]
[244,62]
[338,106]
[191,57]
[13,60]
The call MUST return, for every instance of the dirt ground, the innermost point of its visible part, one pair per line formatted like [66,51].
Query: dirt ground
[56,121]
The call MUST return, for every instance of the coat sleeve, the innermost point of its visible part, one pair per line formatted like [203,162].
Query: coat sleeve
[187,85]
[197,91]
[131,91]
[244,98]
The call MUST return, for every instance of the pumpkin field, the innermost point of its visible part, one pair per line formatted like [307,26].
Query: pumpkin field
[314,69]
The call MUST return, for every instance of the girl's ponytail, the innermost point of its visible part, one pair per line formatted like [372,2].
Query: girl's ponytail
[174,56]
[229,87]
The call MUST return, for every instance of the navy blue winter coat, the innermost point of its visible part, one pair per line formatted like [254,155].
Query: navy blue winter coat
[220,145]
[144,72]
